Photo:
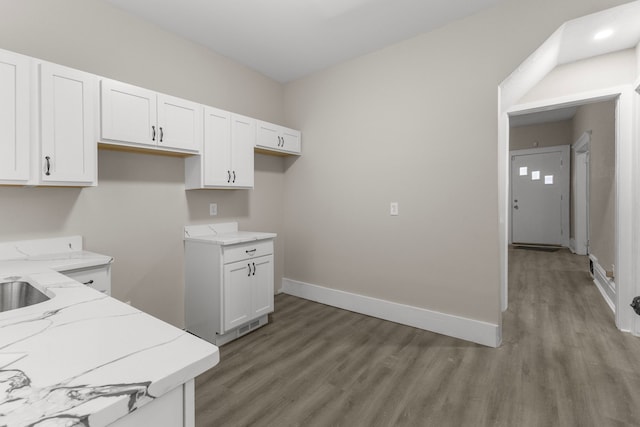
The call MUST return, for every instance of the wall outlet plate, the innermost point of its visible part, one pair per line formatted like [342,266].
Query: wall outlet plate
[213,209]
[393,210]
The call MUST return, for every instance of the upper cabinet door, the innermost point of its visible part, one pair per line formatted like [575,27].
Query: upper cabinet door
[179,123]
[128,113]
[14,118]
[291,141]
[216,150]
[268,135]
[68,138]
[243,138]
[277,139]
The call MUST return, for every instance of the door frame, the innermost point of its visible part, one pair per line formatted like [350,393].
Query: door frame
[627,199]
[565,184]
[580,242]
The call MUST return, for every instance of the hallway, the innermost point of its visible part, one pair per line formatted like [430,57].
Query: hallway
[562,363]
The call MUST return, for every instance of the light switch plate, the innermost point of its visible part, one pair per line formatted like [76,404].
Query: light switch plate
[393,210]
[213,209]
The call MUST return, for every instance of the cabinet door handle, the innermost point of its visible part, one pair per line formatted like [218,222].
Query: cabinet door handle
[153,133]
[90,282]
[281,139]
[249,265]
[48,169]
[228,177]
[234,177]
[161,133]
[254,268]
[250,251]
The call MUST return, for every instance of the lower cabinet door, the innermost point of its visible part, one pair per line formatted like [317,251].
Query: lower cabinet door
[237,294]
[262,286]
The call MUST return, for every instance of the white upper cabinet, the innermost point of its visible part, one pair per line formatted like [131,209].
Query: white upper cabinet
[133,116]
[128,113]
[227,152]
[179,123]
[243,139]
[14,118]
[67,135]
[277,139]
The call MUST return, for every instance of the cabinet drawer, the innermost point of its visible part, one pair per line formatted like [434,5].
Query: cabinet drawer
[247,250]
[99,278]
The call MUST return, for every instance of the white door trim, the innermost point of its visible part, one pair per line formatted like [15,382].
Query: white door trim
[565,180]
[581,148]
[627,165]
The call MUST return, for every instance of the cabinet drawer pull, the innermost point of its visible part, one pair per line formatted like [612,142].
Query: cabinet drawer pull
[153,133]
[48,160]
[161,133]
[254,268]
[90,282]
[250,251]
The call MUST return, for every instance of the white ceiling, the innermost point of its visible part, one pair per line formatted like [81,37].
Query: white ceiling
[288,39]
[578,41]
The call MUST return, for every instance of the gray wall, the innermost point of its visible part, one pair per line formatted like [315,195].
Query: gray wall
[600,119]
[541,135]
[414,123]
[137,212]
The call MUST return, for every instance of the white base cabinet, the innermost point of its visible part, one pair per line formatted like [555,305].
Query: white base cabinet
[277,139]
[174,409]
[228,288]
[98,278]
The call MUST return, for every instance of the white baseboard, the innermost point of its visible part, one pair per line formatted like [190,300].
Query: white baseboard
[572,246]
[476,331]
[606,286]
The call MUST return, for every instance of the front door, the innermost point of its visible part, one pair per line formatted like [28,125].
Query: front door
[540,196]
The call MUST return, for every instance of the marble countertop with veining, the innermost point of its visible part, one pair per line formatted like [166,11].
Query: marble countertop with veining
[233,238]
[84,358]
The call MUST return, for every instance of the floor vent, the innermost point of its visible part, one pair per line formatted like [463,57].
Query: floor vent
[242,330]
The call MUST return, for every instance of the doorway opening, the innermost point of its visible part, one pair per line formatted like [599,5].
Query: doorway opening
[563,188]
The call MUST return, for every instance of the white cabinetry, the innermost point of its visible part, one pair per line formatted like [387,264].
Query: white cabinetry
[228,287]
[174,409]
[47,123]
[14,118]
[277,139]
[136,117]
[67,134]
[227,152]
[248,289]
[98,278]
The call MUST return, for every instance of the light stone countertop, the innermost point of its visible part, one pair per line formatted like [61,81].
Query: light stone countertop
[83,356]
[223,234]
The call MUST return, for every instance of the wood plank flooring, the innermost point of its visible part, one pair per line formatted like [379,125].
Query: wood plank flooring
[562,363]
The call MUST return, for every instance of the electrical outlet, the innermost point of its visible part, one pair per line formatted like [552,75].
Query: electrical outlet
[213,209]
[393,210]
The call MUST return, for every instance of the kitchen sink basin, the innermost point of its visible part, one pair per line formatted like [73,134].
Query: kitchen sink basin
[19,294]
